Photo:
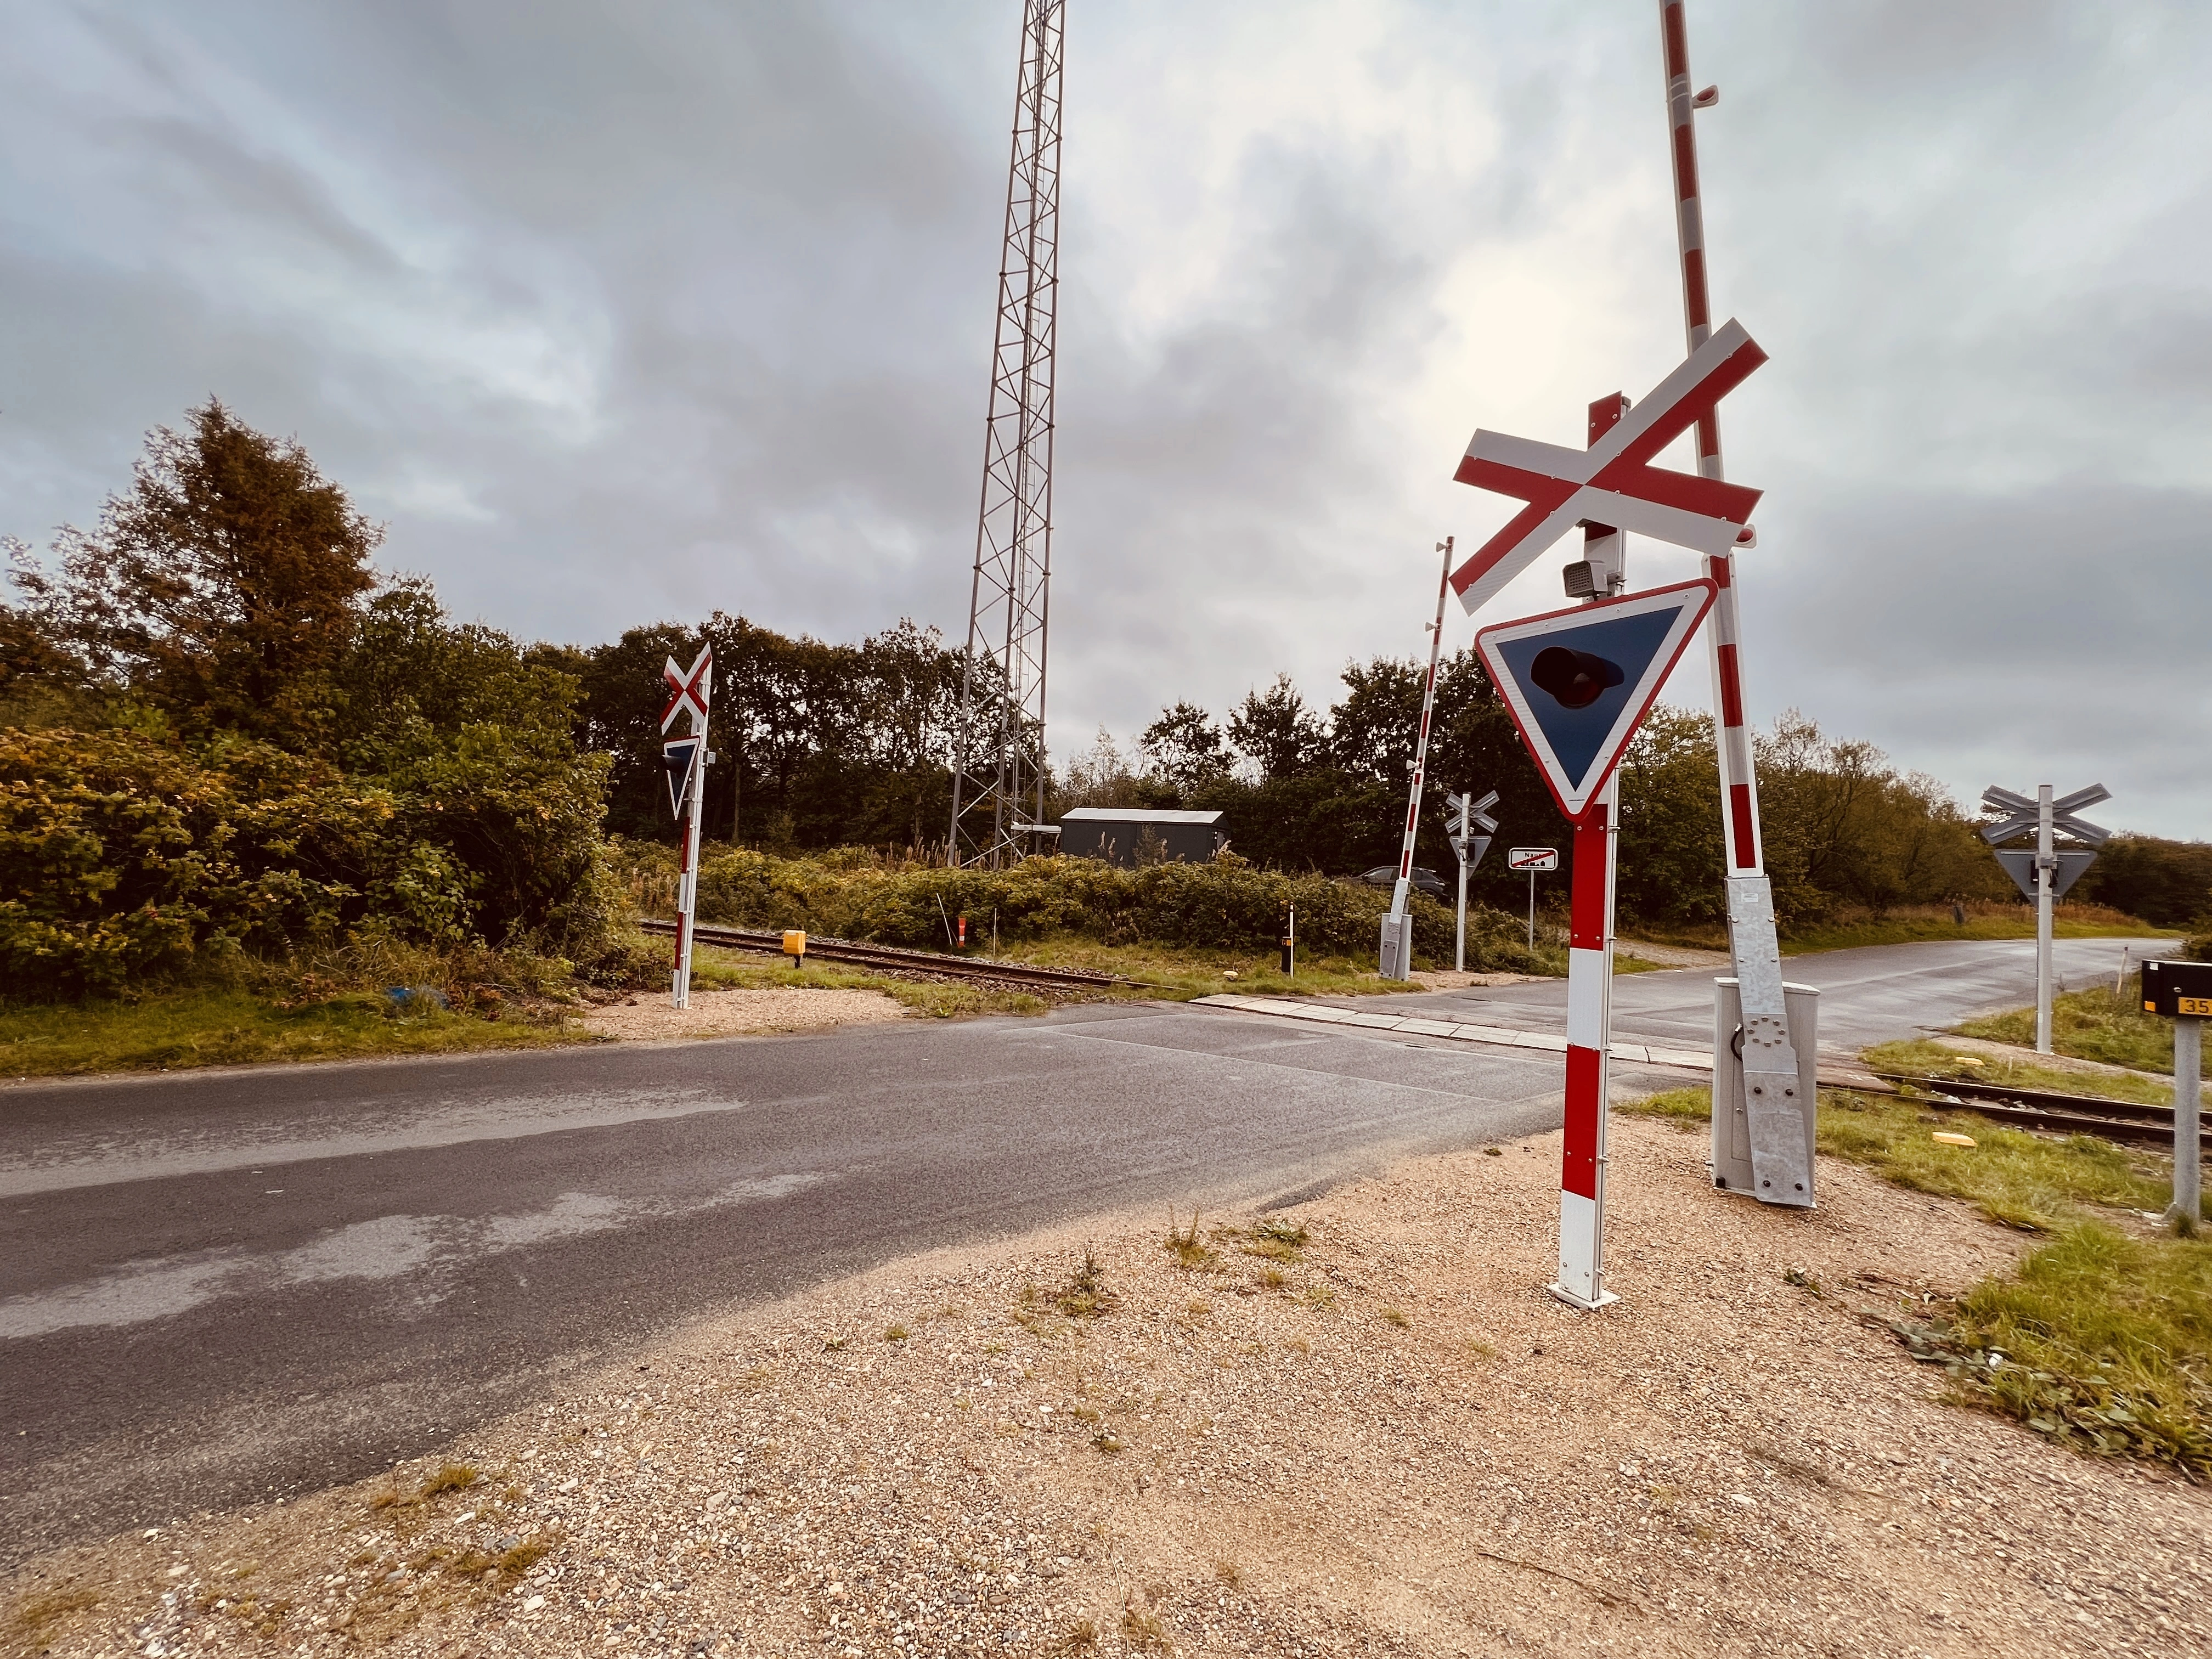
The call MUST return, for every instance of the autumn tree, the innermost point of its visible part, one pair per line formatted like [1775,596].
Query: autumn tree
[223,587]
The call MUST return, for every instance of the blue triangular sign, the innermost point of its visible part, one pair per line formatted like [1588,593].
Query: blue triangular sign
[1578,683]
[680,756]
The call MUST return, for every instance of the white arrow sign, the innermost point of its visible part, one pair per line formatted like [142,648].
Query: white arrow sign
[1614,482]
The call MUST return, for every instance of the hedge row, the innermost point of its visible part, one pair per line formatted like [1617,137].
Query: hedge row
[1225,903]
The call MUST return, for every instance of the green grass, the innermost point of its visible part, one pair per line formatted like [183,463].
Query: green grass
[2101,1339]
[2091,1024]
[178,1030]
[1983,921]
[1925,1059]
[1178,973]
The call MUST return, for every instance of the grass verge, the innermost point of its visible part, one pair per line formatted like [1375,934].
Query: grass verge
[1921,1058]
[178,1029]
[2091,1024]
[2102,1338]
[1983,921]
[1179,973]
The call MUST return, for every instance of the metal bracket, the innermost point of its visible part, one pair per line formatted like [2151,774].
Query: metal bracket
[1780,1172]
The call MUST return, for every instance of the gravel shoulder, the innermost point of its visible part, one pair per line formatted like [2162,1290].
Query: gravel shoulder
[1384,1438]
[741,1012]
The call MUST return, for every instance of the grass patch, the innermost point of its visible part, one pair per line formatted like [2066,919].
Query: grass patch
[1394,1316]
[2091,1024]
[2100,1340]
[1925,1059]
[2017,1179]
[176,1030]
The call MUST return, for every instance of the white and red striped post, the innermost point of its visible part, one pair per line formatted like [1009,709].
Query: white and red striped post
[691,692]
[1398,961]
[1590,975]
[1779,1165]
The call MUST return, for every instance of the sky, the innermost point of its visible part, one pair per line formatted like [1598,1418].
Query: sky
[618,313]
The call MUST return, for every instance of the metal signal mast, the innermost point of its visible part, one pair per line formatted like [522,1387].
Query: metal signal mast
[998,784]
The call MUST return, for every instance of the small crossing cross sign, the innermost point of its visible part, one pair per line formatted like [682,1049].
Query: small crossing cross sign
[1461,814]
[689,687]
[1579,682]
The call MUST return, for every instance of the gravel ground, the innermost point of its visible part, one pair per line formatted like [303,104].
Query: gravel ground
[1386,1439]
[732,1013]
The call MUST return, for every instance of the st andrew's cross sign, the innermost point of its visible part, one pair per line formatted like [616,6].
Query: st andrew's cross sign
[1614,482]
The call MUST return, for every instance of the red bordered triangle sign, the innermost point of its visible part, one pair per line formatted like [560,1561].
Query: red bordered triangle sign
[1579,682]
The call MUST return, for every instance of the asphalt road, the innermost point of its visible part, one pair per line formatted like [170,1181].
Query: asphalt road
[216,1287]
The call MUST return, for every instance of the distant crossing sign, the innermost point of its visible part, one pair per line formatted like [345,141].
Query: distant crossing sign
[1614,482]
[1533,858]
[1579,682]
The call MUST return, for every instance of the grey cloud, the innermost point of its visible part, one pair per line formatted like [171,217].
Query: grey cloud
[621,313]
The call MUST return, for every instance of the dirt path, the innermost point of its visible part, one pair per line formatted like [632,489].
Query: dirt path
[1385,1440]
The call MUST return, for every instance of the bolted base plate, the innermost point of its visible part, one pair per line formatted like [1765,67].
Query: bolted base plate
[1605,1298]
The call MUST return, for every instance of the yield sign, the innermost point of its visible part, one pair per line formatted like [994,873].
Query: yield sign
[1578,683]
[679,758]
[1614,482]
[689,687]
[2068,866]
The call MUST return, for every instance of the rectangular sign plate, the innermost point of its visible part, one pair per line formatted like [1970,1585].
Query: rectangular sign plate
[2198,1007]
[1533,858]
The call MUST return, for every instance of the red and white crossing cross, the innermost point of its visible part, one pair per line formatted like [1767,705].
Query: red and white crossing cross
[1614,482]
[689,689]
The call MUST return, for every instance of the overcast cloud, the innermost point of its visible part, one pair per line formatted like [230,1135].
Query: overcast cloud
[617,313]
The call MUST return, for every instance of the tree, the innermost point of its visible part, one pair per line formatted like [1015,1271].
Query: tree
[1373,732]
[224,587]
[1277,732]
[1186,747]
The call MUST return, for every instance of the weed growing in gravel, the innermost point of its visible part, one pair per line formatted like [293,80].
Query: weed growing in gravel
[1393,1316]
[1321,1296]
[1229,1573]
[1273,1278]
[1083,1635]
[1085,1294]
[1277,1238]
[896,1333]
[1141,1625]
[1190,1250]
[1479,1349]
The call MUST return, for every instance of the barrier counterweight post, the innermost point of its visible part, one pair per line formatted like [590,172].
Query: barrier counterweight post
[1589,1023]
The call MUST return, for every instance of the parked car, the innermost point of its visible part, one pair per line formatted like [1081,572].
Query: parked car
[1425,880]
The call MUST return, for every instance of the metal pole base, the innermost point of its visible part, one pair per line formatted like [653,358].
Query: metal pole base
[1604,1299]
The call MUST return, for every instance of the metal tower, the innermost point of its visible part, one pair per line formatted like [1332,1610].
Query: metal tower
[998,785]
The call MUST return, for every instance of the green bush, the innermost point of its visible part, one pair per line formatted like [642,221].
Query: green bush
[125,855]
[1223,903]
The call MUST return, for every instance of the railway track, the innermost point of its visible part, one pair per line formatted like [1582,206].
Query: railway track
[2036,1108]
[899,960]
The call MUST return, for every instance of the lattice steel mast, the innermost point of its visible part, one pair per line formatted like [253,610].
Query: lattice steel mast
[998,783]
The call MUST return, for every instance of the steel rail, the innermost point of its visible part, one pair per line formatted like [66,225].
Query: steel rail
[894,957]
[2039,1108]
